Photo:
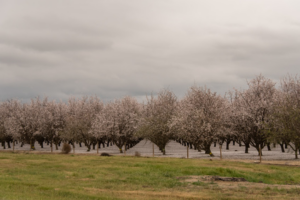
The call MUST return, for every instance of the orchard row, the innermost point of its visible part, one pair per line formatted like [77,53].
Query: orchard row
[258,116]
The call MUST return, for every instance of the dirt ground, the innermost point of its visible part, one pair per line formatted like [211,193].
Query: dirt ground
[232,184]
[174,149]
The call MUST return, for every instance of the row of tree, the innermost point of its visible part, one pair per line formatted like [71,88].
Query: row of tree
[257,116]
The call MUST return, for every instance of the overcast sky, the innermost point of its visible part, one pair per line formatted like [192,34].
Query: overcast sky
[113,48]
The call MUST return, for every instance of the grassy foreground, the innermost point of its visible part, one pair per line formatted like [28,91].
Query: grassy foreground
[46,176]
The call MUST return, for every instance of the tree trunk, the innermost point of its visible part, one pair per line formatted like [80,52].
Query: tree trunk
[51,145]
[286,145]
[3,144]
[233,142]
[187,152]
[152,149]
[33,147]
[246,148]
[30,144]
[259,150]
[97,147]
[73,147]
[125,149]
[207,149]
[13,145]
[56,146]
[282,148]
[268,145]
[227,145]
[260,153]
[221,152]
[296,153]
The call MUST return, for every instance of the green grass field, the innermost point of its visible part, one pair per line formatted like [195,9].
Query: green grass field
[58,176]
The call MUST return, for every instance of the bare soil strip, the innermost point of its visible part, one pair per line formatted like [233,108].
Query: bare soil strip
[232,182]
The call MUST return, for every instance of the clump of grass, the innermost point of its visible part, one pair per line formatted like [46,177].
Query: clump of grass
[90,176]
[75,174]
[66,148]
[104,154]
[167,174]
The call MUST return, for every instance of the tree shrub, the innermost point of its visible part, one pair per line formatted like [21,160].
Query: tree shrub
[104,154]
[137,154]
[66,148]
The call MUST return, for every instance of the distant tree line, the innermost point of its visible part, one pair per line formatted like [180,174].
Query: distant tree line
[260,116]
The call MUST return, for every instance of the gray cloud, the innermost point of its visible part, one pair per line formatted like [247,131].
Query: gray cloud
[116,48]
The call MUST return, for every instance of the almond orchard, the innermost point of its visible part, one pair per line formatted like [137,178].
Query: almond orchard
[260,116]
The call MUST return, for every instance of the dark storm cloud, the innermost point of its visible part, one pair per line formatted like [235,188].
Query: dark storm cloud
[117,48]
